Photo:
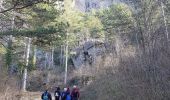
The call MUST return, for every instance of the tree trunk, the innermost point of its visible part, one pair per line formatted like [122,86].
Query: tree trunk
[46,60]
[165,21]
[27,61]
[66,60]
[64,50]
[1,3]
[34,56]
[52,57]
[61,56]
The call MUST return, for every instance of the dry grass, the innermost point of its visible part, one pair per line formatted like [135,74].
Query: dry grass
[134,76]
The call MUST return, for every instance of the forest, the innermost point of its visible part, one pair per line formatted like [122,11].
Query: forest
[110,49]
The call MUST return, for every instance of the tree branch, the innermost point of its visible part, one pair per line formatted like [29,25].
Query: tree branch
[3,45]
[7,10]
[24,6]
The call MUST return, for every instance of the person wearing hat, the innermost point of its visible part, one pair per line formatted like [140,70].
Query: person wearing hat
[75,94]
[64,94]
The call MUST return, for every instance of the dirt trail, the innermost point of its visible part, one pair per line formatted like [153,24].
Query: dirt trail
[32,96]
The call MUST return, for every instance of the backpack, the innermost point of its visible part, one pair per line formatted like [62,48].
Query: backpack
[68,97]
[45,96]
[64,95]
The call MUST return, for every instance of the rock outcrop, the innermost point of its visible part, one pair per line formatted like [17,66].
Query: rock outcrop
[88,5]
[88,53]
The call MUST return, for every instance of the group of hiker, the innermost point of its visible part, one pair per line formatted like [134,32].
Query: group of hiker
[66,94]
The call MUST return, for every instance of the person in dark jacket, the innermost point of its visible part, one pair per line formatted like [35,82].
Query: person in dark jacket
[57,94]
[64,94]
[68,94]
[46,96]
[75,94]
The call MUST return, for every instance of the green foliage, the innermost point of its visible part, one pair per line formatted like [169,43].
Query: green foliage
[9,5]
[94,25]
[41,35]
[32,60]
[8,55]
[38,21]
[31,65]
[2,50]
[57,57]
[81,25]
[8,58]
[41,14]
[21,67]
[117,17]
[29,33]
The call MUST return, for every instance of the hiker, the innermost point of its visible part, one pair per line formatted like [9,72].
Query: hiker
[68,97]
[68,90]
[64,94]
[57,94]
[75,94]
[46,96]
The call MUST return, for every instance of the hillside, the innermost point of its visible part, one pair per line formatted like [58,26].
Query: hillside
[110,49]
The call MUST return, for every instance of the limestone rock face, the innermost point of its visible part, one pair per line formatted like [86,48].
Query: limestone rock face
[87,53]
[88,5]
